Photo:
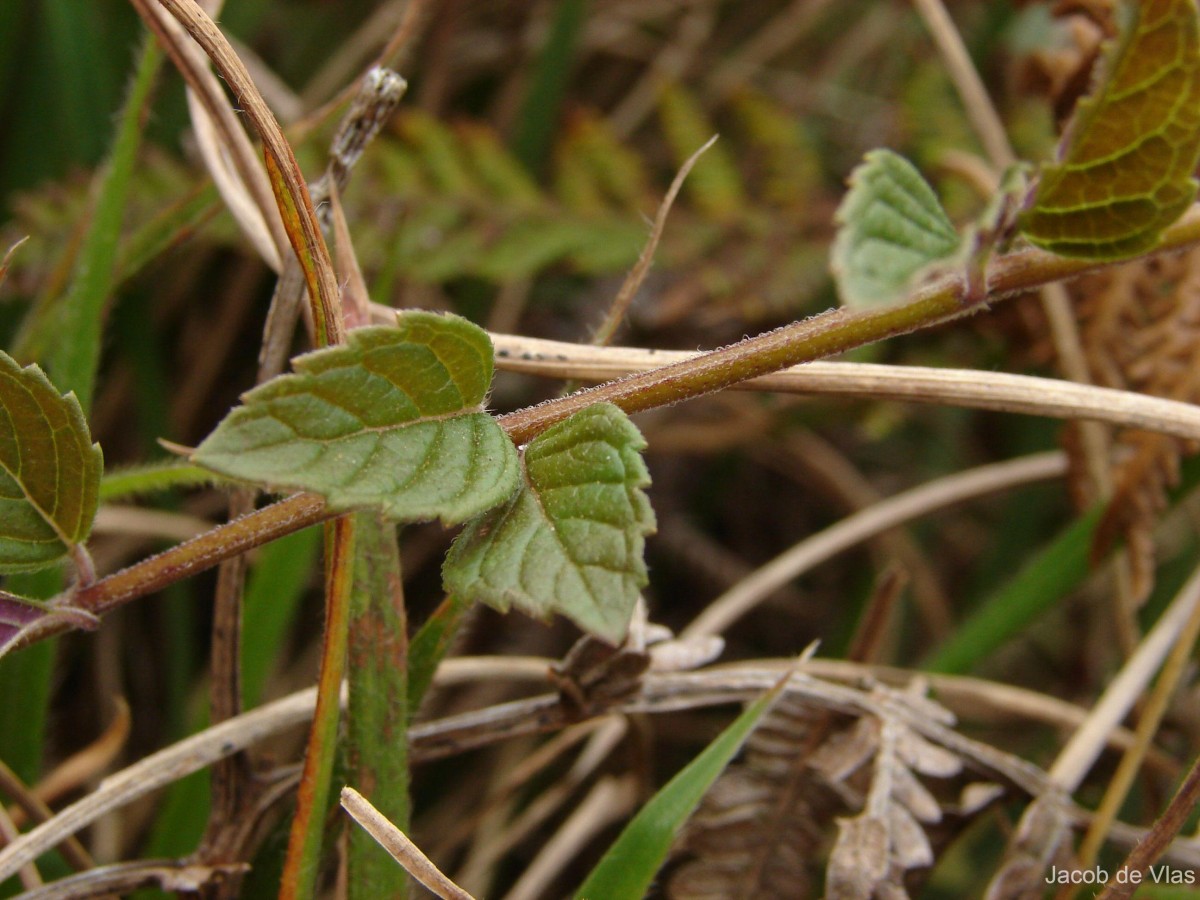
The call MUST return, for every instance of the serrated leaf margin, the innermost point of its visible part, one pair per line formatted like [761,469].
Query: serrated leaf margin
[476,569]
[451,413]
[66,440]
[885,192]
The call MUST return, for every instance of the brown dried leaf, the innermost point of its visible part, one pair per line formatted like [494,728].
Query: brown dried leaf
[859,861]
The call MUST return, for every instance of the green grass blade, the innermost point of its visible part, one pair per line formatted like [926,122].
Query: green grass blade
[1055,571]
[74,356]
[629,866]
[539,114]
[430,645]
[153,478]
[377,721]
[303,862]
[273,594]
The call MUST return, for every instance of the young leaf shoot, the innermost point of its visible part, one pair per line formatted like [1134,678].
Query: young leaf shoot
[891,230]
[1126,169]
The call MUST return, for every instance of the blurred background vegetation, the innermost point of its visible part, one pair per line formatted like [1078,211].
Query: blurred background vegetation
[515,188]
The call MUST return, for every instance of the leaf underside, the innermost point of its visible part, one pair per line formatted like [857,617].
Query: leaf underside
[392,420]
[49,470]
[891,229]
[1126,172]
[571,540]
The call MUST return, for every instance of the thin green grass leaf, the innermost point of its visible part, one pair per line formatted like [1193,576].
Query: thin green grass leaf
[629,866]
[276,586]
[551,76]
[26,678]
[74,355]
[892,229]
[571,540]
[377,719]
[392,420]
[154,478]
[49,470]
[430,645]
[1038,587]
[1132,146]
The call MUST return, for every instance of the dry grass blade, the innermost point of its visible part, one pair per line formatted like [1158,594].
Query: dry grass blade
[958,387]
[612,799]
[228,153]
[80,768]
[397,843]
[29,875]
[1043,828]
[637,275]
[293,192]
[157,770]
[743,597]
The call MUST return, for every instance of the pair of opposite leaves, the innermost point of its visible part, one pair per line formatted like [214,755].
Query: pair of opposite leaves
[391,421]
[1125,172]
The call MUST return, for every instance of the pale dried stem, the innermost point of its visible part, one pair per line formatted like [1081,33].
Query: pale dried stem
[669,63]
[139,521]
[660,693]
[603,735]
[294,190]
[776,36]
[401,37]
[399,846]
[999,391]
[633,281]
[887,514]
[1149,718]
[29,807]
[1123,693]
[29,875]
[980,110]
[228,153]
[611,799]
[79,769]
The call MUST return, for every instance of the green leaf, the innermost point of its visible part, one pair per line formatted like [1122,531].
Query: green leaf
[49,470]
[892,230]
[1126,172]
[571,540]
[21,617]
[629,866]
[392,420]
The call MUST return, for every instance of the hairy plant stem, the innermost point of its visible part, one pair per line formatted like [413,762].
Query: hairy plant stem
[200,553]
[304,843]
[823,335]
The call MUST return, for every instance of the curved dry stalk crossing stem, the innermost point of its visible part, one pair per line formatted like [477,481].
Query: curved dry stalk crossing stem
[998,391]
[873,520]
[824,335]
